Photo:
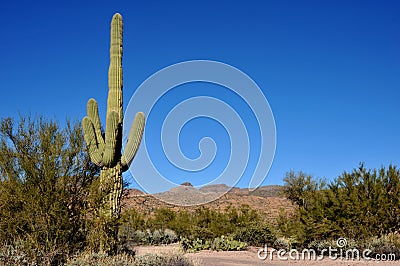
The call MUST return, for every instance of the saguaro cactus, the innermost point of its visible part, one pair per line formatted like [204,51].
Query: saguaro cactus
[105,150]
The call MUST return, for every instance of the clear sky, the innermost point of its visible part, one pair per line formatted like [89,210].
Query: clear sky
[329,69]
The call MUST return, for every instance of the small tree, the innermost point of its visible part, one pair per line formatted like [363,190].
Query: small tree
[45,177]
[356,205]
[298,186]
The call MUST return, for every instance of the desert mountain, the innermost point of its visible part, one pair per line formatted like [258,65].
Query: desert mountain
[265,199]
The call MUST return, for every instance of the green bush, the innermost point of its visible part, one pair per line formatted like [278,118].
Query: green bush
[219,244]
[284,243]
[227,244]
[255,234]
[193,245]
[387,244]
[45,178]
[170,236]
[131,220]
[148,237]
[356,205]
[204,223]
[162,260]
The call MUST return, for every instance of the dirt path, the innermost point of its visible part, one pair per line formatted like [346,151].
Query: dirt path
[225,258]
[249,257]
[244,258]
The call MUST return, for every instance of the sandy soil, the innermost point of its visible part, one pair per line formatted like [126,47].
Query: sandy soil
[248,257]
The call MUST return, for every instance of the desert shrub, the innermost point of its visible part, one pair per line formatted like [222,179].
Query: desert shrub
[221,243]
[290,226]
[356,205]
[255,234]
[140,237]
[366,202]
[170,236]
[131,220]
[91,259]
[166,236]
[193,245]
[163,217]
[162,260]
[204,223]
[192,225]
[22,253]
[284,243]
[227,244]
[45,178]
[387,244]
[298,187]
[148,237]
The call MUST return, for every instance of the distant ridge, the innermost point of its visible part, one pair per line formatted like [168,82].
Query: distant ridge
[266,199]
[263,191]
[215,188]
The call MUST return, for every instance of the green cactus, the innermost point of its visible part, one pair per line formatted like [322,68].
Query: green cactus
[106,151]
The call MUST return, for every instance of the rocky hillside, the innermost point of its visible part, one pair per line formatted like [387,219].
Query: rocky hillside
[266,200]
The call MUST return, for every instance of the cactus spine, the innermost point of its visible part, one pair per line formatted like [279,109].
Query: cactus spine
[106,151]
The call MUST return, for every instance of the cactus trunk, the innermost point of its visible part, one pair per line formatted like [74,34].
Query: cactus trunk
[110,208]
[106,151]
[111,186]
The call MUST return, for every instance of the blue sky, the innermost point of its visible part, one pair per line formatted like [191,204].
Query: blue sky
[329,69]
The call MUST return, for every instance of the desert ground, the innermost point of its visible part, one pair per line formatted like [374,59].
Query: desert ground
[249,257]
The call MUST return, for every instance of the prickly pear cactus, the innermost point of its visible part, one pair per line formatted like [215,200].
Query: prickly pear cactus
[105,150]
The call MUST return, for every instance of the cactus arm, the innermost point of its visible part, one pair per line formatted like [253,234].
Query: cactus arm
[90,137]
[111,138]
[135,136]
[93,114]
